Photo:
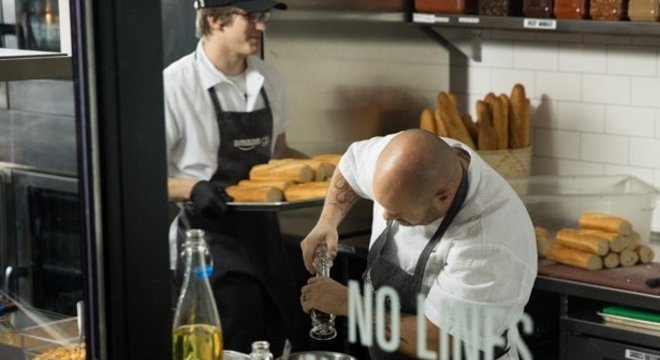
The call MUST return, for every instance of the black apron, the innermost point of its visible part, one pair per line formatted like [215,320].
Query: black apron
[382,272]
[252,281]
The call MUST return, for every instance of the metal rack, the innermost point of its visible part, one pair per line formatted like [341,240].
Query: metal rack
[26,64]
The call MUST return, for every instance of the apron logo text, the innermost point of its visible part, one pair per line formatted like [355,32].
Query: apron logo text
[249,144]
[475,326]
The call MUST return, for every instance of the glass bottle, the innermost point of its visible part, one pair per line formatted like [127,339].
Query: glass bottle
[323,324]
[8,333]
[196,329]
[261,351]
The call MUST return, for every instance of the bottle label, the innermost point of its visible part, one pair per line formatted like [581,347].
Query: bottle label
[203,272]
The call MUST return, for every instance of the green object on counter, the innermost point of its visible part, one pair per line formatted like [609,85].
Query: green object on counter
[632,313]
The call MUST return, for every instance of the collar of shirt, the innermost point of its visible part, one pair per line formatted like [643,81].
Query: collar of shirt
[211,76]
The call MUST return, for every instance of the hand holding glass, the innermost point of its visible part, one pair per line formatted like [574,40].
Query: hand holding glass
[323,324]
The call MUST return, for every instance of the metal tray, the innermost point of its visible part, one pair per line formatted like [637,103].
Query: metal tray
[276,206]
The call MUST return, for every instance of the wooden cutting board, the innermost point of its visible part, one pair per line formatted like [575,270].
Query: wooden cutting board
[631,278]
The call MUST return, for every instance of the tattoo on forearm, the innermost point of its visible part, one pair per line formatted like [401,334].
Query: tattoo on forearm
[345,197]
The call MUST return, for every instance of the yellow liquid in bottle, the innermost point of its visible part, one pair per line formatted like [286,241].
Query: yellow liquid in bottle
[197,342]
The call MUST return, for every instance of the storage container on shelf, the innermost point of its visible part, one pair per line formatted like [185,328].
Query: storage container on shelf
[644,10]
[571,9]
[608,10]
[554,202]
[447,6]
[500,7]
[538,8]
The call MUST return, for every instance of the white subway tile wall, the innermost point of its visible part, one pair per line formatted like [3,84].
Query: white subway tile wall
[595,99]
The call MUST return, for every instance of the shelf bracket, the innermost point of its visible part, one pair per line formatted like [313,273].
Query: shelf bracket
[466,42]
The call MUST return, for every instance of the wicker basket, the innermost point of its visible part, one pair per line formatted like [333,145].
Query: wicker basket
[510,163]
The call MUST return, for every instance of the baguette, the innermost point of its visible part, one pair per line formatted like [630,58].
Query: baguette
[427,121]
[611,260]
[617,241]
[573,239]
[543,240]
[330,158]
[471,127]
[449,114]
[605,222]
[487,138]
[280,184]
[293,171]
[645,252]
[322,169]
[310,190]
[519,118]
[628,258]
[634,239]
[499,114]
[574,257]
[440,124]
[255,194]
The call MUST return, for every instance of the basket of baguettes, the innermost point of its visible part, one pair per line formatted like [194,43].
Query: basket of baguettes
[501,133]
[600,241]
[286,180]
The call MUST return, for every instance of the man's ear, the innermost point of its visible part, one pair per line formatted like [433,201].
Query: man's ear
[214,22]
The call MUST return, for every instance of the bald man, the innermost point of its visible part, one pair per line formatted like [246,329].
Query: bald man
[445,225]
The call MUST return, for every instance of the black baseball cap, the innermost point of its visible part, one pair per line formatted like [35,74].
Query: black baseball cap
[246,5]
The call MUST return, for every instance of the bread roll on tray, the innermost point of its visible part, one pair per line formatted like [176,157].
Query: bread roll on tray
[645,252]
[280,184]
[330,158]
[617,241]
[573,257]
[322,169]
[293,171]
[628,258]
[611,260]
[255,194]
[543,240]
[306,191]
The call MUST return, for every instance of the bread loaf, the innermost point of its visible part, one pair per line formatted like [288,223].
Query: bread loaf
[574,257]
[487,137]
[280,184]
[573,239]
[611,260]
[440,124]
[500,122]
[449,113]
[519,118]
[294,171]
[330,158]
[543,240]
[645,252]
[617,241]
[255,194]
[471,127]
[634,239]
[306,191]
[605,222]
[628,258]
[322,169]
[427,121]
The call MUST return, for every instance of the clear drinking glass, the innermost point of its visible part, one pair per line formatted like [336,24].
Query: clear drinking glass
[323,324]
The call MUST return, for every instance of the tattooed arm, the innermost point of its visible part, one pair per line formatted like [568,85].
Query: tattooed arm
[338,202]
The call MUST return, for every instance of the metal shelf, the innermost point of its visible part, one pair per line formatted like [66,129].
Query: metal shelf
[26,65]
[592,325]
[332,15]
[539,25]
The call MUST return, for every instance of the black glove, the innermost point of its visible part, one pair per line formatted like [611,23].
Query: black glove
[209,199]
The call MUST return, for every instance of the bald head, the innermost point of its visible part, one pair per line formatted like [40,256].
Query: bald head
[414,165]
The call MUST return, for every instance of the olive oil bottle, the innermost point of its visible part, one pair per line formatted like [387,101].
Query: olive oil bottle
[197,334]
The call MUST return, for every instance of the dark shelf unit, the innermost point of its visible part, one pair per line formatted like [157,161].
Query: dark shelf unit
[536,24]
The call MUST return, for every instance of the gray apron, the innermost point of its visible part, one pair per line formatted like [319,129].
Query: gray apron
[252,281]
[382,272]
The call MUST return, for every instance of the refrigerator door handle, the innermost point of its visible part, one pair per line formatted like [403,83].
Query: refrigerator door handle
[12,274]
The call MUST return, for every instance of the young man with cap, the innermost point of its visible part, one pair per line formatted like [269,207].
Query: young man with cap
[225,111]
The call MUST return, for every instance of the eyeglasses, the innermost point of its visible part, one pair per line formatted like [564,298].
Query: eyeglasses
[255,17]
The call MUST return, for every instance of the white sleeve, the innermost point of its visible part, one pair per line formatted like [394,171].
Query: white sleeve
[359,162]
[172,128]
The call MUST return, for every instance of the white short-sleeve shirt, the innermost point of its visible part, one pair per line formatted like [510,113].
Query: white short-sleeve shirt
[191,127]
[487,258]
